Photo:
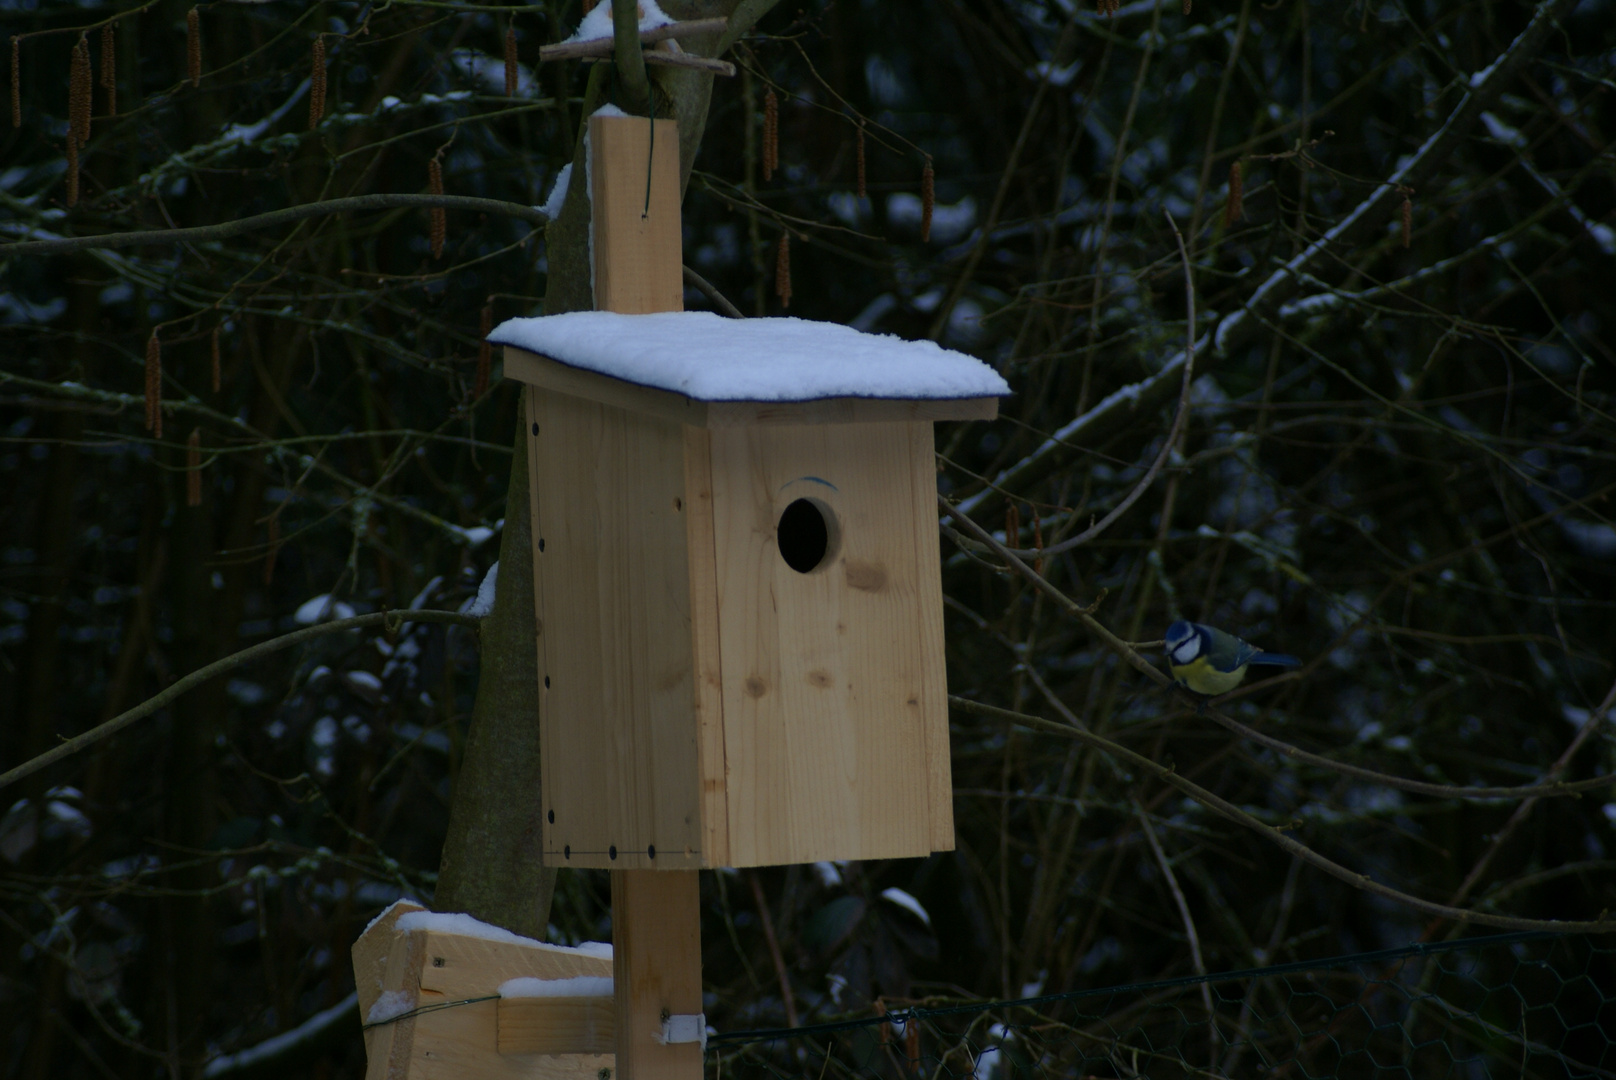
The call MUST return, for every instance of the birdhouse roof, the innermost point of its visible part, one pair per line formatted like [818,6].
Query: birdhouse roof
[707,358]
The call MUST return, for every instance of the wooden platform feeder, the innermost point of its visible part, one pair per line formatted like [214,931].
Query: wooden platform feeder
[738,593]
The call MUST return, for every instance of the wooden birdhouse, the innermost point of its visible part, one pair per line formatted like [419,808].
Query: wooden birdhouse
[736,563]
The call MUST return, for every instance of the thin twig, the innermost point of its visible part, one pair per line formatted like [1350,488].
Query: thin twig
[573,50]
[219,667]
[1226,809]
[226,229]
[710,291]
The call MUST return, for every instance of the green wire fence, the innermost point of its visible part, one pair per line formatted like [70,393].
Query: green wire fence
[1509,1005]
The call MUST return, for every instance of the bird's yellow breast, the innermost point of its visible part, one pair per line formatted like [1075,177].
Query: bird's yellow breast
[1201,677]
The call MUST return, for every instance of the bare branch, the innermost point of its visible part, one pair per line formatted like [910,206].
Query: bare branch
[226,229]
[1243,327]
[1295,847]
[219,667]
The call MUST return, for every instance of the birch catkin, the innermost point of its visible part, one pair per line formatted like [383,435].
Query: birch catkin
[317,82]
[510,59]
[193,468]
[109,68]
[154,386]
[771,135]
[440,217]
[1235,209]
[79,91]
[193,45]
[1408,217]
[928,200]
[485,351]
[782,270]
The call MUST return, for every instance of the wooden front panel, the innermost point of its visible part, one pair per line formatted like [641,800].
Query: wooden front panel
[835,710]
[617,698]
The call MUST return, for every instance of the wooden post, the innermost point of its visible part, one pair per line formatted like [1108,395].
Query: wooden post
[656,971]
[656,914]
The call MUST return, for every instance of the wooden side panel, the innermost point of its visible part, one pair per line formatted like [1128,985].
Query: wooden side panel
[835,703]
[638,245]
[617,714]
[929,633]
[656,960]
[557,1025]
[707,662]
[536,370]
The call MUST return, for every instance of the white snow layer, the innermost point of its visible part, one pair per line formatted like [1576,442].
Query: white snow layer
[710,358]
[320,608]
[390,1004]
[558,193]
[598,23]
[582,986]
[482,605]
[907,902]
[273,1046]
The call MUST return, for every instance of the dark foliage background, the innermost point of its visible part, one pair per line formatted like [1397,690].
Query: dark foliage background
[1405,481]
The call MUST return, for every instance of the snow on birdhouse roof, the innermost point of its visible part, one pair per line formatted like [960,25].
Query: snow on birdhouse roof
[706,357]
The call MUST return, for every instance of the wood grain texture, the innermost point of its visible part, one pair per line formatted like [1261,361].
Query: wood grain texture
[370,954]
[638,244]
[618,714]
[462,1042]
[389,1047]
[656,959]
[557,1025]
[706,650]
[835,720]
[536,370]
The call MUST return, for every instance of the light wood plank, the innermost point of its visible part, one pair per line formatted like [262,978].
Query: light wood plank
[389,1047]
[618,722]
[557,1025]
[929,632]
[460,966]
[846,410]
[638,244]
[831,679]
[656,957]
[461,1042]
[370,953]
[536,370]
[706,658]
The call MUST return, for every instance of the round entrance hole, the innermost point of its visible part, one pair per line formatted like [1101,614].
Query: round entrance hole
[806,535]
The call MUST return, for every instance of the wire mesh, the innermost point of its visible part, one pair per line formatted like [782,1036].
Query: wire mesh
[1515,1005]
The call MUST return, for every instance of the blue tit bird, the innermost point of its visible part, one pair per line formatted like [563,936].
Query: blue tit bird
[1208,661]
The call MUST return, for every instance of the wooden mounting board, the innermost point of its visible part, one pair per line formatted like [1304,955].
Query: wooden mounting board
[465,1041]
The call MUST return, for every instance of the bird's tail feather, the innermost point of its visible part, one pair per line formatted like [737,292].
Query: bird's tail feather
[1274,659]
